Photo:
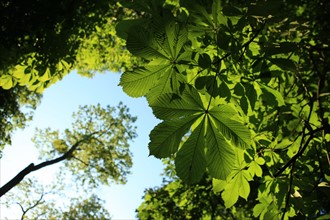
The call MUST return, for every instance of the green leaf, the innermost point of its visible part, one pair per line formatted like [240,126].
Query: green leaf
[177,36]
[204,61]
[224,91]
[189,111]
[166,136]
[6,82]
[25,79]
[218,185]
[283,144]
[123,28]
[141,43]
[190,160]
[231,129]
[237,186]
[165,107]
[223,40]
[231,193]
[324,217]
[217,15]
[220,154]
[255,169]
[18,72]
[244,104]
[210,83]
[46,76]
[276,94]
[138,82]
[260,160]
[239,89]
[244,189]
[284,64]
[159,40]
[260,209]
[251,94]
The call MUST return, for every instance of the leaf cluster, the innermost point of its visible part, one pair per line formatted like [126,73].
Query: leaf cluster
[242,90]
[97,146]
[42,42]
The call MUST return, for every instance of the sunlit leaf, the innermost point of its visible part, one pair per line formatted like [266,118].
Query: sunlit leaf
[166,136]
[190,160]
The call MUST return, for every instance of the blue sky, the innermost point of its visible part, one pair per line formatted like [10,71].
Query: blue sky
[55,111]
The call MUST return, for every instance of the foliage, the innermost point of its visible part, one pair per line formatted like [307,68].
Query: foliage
[37,203]
[43,41]
[90,208]
[242,90]
[95,150]
[103,152]
[15,111]
[177,200]
[28,195]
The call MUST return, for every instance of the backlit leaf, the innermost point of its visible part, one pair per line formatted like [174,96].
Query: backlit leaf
[220,154]
[190,160]
[166,136]
[231,129]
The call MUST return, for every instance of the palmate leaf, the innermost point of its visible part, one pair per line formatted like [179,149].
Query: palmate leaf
[238,186]
[142,42]
[212,133]
[164,49]
[177,37]
[169,82]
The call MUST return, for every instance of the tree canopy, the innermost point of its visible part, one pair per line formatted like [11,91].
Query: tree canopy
[37,201]
[247,85]
[241,88]
[95,150]
[45,40]
[16,109]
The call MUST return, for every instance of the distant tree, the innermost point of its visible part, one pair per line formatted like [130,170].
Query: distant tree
[95,151]
[16,109]
[37,203]
[177,200]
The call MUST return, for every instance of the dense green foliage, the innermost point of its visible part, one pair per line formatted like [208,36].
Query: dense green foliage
[242,88]
[43,40]
[247,85]
[177,200]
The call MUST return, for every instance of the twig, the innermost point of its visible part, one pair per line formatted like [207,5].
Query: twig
[292,160]
[287,199]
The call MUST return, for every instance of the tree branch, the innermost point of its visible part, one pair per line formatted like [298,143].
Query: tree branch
[294,158]
[288,194]
[39,201]
[31,168]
